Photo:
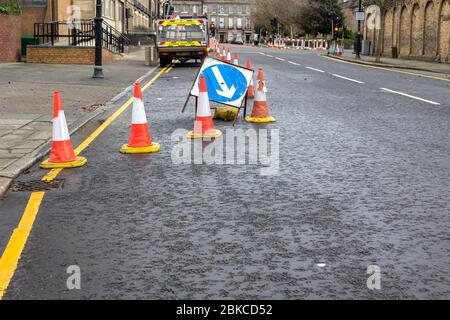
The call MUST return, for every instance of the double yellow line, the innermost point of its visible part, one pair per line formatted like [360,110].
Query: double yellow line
[11,256]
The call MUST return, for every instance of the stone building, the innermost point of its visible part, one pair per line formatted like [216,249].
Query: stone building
[416,29]
[123,15]
[231,17]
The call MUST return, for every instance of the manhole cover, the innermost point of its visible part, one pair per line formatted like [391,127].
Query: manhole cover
[37,185]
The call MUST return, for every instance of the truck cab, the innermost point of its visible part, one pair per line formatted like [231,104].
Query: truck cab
[182,38]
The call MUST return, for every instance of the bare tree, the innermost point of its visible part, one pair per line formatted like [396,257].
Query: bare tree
[287,11]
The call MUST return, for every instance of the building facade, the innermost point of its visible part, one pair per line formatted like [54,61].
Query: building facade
[231,17]
[124,15]
[415,29]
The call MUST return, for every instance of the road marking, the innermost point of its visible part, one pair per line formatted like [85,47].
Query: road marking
[262,53]
[314,69]
[345,78]
[410,96]
[281,59]
[170,68]
[268,55]
[388,69]
[17,241]
[11,256]
[294,63]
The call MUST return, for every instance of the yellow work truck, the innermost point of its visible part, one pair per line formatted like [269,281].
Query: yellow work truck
[182,38]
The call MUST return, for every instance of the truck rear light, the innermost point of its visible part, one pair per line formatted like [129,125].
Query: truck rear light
[162,43]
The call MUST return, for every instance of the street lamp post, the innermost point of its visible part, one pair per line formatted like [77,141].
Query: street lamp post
[98,68]
[358,35]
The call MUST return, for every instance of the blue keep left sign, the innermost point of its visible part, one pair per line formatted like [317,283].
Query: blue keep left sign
[225,83]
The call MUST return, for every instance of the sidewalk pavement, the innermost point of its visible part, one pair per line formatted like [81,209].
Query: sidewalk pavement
[437,69]
[26,104]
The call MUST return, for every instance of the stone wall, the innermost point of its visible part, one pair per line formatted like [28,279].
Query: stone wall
[419,29]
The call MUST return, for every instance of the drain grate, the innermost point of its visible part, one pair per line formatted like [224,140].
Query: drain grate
[37,185]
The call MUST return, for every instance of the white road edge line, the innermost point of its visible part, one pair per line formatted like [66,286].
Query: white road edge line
[268,55]
[410,96]
[294,63]
[280,59]
[314,69]
[345,78]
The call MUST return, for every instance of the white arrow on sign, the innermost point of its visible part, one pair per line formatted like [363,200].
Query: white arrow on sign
[225,91]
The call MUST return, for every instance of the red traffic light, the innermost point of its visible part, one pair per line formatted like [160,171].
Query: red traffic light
[212,26]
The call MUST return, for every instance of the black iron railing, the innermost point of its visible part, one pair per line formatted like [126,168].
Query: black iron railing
[81,34]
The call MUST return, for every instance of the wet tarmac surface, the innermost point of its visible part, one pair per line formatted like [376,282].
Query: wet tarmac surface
[363,180]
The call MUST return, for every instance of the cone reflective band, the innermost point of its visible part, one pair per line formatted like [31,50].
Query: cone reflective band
[62,154]
[260,112]
[229,56]
[140,140]
[235,59]
[203,125]
[251,87]
[224,53]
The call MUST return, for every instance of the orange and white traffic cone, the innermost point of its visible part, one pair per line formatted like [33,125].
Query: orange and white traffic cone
[251,87]
[224,54]
[235,59]
[218,55]
[140,140]
[260,112]
[62,154]
[203,126]
[229,56]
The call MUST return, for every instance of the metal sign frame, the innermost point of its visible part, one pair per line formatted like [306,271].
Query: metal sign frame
[244,102]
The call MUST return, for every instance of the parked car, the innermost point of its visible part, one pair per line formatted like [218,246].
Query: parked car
[237,40]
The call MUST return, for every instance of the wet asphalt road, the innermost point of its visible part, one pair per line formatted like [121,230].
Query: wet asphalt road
[363,180]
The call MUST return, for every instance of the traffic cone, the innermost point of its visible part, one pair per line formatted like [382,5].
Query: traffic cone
[229,56]
[203,126]
[61,154]
[235,59]
[224,54]
[260,112]
[140,140]
[251,87]
[217,55]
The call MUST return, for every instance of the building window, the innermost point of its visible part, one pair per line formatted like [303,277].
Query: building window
[213,8]
[222,9]
[109,9]
[205,8]
[239,23]
[222,23]
[33,3]
[194,9]
[230,23]
[239,9]
[230,9]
